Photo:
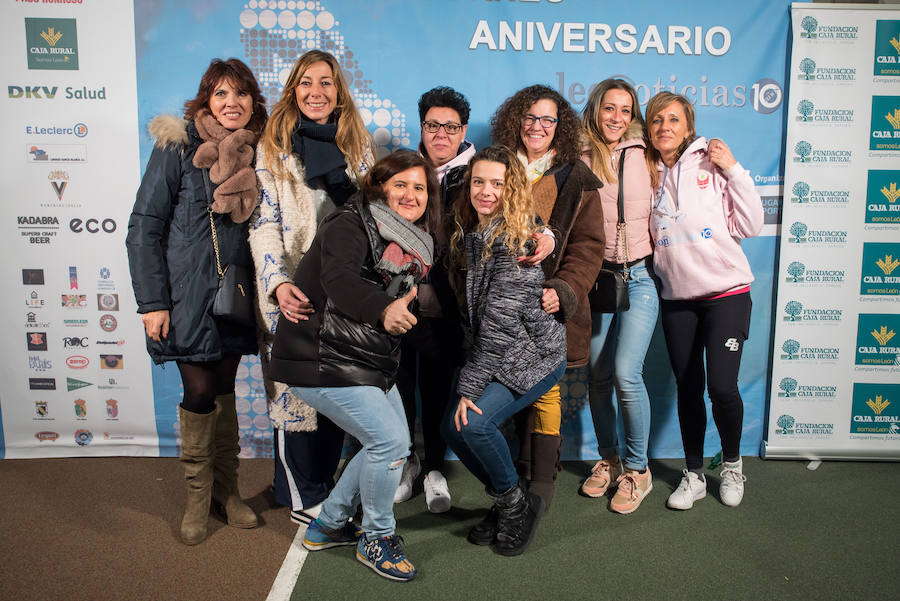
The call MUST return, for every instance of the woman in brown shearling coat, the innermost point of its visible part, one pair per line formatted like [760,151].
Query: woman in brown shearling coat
[543,129]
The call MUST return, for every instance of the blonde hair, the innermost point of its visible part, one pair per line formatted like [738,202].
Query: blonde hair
[593,134]
[656,105]
[515,215]
[353,140]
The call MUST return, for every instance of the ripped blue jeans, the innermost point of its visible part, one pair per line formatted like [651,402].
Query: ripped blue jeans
[377,420]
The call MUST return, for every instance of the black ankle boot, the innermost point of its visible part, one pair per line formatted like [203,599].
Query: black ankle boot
[518,512]
[485,532]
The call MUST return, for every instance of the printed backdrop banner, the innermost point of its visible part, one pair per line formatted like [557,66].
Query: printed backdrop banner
[836,363]
[728,58]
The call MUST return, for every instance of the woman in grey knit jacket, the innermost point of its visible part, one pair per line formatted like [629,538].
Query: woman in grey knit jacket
[517,352]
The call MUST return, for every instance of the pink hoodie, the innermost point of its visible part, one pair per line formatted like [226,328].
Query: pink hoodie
[700,213]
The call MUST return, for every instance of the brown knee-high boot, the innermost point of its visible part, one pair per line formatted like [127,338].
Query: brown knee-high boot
[524,422]
[196,459]
[544,466]
[227,446]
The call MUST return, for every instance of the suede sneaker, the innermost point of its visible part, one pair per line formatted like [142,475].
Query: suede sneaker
[633,487]
[319,537]
[731,489]
[692,488]
[386,558]
[603,475]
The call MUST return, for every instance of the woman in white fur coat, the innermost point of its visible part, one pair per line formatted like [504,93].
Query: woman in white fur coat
[314,150]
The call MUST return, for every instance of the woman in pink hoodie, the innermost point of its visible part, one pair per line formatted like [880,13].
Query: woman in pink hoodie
[705,203]
[614,132]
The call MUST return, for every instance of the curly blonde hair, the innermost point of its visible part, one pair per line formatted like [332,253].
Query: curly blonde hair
[352,137]
[514,218]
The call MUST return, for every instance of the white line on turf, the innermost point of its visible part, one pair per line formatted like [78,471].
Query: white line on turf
[287,576]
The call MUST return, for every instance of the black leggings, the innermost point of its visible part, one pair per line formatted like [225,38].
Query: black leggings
[203,381]
[719,327]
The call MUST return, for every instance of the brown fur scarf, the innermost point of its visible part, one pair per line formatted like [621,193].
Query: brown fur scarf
[228,156]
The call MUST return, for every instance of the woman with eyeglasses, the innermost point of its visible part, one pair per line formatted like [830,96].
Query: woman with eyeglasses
[311,157]
[705,204]
[544,130]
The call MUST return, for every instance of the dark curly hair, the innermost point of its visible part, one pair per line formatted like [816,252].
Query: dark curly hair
[506,124]
[241,77]
[444,96]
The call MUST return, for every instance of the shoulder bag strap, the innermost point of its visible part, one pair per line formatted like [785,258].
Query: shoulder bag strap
[212,224]
[620,225]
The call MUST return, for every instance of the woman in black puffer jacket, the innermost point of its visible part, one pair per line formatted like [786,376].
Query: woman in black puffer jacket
[201,171]
[360,275]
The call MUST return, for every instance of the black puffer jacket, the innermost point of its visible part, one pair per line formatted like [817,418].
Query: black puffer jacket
[170,251]
[343,343]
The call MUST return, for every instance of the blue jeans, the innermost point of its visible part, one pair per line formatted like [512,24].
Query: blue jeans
[377,420]
[619,344]
[480,445]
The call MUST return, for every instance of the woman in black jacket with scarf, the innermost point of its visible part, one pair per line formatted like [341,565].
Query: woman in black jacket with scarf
[360,275]
[200,173]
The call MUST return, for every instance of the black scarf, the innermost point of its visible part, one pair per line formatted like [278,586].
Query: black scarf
[323,161]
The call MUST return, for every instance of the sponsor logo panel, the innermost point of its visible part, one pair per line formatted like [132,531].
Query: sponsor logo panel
[51,43]
[884,130]
[880,274]
[56,153]
[887,48]
[875,411]
[877,342]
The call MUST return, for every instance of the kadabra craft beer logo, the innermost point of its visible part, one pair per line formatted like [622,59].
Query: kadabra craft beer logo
[51,44]
[887,48]
[880,276]
[885,127]
[793,350]
[875,410]
[882,194]
[877,342]
[805,153]
[796,312]
[808,112]
[812,29]
[810,71]
[790,388]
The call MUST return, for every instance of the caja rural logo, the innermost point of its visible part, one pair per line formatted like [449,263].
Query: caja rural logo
[876,340]
[799,273]
[794,311]
[805,153]
[801,234]
[804,193]
[51,43]
[887,48]
[811,29]
[787,425]
[885,127]
[793,350]
[879,262]
[808,112]
[875,409]
[882,192]
[790,388]
[811,72]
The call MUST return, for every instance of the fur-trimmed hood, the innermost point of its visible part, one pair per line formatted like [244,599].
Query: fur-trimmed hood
[168,131]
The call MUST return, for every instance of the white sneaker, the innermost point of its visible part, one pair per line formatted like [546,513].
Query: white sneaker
[692,488]
[731,489]
[411,470]
[437,493]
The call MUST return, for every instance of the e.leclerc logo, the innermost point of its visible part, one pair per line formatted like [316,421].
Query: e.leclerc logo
[885,128]
[880,276]
[877,342]
[882,193]
[887,48]
[79,130]
[51,44]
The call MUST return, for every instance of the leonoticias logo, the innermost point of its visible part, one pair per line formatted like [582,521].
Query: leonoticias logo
[802,192]
[805,152]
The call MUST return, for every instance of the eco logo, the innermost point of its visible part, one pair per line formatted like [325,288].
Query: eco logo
[810,71]
[880,276]
[51,44]
[885,127]
[794,311]
[804,152]
[876,339]
[887,48]
[792,389]
[882,194]
[875,409]
[808,113]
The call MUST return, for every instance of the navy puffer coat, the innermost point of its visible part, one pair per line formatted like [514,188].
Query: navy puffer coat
[170,251]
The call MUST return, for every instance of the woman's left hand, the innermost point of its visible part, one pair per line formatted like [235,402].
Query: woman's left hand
[550,301]
[460,416]
[545,246]
[720,154]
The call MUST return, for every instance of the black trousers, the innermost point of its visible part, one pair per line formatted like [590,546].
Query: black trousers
[719,327]
[430,355]
[305,463]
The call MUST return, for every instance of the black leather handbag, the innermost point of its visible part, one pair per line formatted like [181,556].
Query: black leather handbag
[609,294]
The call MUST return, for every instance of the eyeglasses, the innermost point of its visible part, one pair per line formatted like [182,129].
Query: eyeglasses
[450,127]
[546,121]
